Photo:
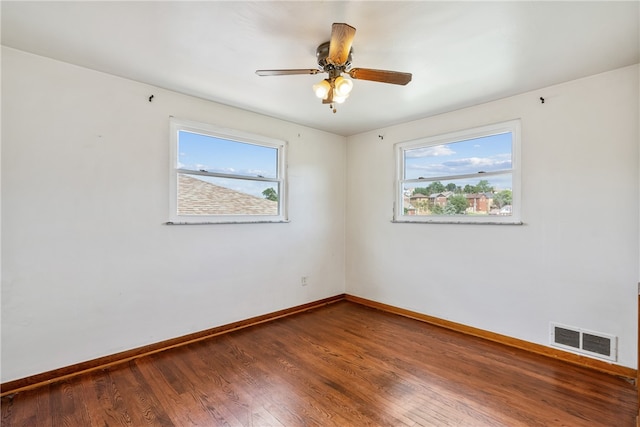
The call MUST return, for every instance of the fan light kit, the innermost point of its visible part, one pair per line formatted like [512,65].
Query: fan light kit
[334,58]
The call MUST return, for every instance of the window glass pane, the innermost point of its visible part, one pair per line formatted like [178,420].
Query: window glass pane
[491,195]
[468,176]
[485,154]
[205,195]
[200,152]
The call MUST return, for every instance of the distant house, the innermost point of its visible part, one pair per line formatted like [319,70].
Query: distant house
[409,209]
[198,197]
[506,210]
[416,204]
[479,202]
[440,199]
[418,197]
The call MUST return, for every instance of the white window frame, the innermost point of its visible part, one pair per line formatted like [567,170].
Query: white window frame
[512,126]
[177,125]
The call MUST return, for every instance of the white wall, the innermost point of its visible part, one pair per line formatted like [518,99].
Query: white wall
[575,261]
[89,269]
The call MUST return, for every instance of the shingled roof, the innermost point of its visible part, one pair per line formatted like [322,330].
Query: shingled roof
[198,197]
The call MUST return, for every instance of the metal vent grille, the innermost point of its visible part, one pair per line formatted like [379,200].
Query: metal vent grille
[596,344]
[589,343]
[567,337]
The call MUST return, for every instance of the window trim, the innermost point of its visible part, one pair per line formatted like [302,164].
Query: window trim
[511,126]
[177,125]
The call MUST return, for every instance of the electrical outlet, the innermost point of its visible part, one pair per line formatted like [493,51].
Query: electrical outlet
[304,280]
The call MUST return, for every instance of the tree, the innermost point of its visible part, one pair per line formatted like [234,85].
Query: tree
[503,198]
[483,187]
[458,204]
[451,187]
[433,188]
[270,194]
[449,209]
[469,189]
[436,187]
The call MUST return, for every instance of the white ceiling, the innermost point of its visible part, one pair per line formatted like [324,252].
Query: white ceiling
[460,53]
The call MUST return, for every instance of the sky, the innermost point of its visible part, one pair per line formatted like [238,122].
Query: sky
[203,152]
[198,152]
[485,154]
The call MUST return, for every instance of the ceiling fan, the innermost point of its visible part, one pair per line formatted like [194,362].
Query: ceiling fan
[334,58]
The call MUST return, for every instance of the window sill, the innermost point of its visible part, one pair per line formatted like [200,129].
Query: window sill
[284,221]
[459,222]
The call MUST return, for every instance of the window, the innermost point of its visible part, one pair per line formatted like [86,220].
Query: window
[225,176]
[470,176]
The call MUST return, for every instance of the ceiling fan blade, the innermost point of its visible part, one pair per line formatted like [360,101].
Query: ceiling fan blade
[287,72]
[383,76]
[340,44]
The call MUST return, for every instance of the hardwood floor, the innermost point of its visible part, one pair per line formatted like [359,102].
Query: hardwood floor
[340,365]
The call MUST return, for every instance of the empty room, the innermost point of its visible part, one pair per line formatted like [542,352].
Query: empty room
[320,213]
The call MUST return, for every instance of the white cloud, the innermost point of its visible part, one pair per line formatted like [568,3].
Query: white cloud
[488,162]
[435,151]
[470,161]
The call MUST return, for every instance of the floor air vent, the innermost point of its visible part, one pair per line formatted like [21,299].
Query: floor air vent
[585,342]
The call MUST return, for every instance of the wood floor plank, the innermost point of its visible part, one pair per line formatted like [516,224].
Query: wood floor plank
[181,410]
[207,393]
[272,373]
[335,369]
[64,396]
[340,365]
[318,387]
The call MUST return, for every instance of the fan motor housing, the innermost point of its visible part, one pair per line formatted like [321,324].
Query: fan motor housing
[322,52]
